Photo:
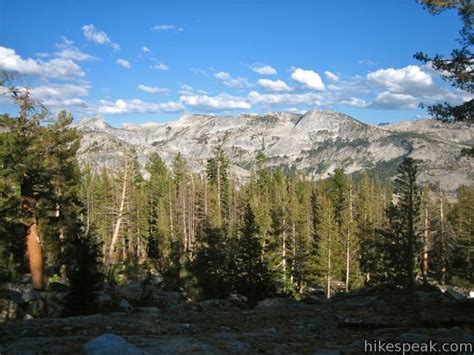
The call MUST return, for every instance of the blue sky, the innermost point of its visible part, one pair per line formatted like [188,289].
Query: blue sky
[138,61]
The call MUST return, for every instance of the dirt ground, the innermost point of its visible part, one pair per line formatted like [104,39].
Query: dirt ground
[277,326]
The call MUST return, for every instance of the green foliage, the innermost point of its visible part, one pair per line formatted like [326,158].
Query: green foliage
[456,69]
[401,236]
[252,278]
[210,264]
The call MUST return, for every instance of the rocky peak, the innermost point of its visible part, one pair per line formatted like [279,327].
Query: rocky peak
[96,123]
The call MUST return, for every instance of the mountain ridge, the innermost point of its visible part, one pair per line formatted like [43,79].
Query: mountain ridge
[316,142]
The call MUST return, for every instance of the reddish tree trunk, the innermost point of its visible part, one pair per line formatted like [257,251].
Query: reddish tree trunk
[35,256]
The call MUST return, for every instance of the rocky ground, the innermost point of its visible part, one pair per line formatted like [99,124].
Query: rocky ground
[277,325]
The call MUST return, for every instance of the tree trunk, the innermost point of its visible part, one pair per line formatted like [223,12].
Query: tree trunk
[328,287]
[115,236]
[170,210]
[183,219]
[348,240]
[205,195]
[283,255]
[35,256]
[425,247]
[443,242]
[219,213]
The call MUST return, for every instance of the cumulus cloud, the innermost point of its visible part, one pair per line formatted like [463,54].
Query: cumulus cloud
[228,80]
[273,85]
[92,34]
[123,63]
[331,76]
[145,49]
[67,50]
[220,102]
[162,28]
[152,89]
[353,101]
[121,107]
[410,79]
[57,68]
[60,96]
[388,100]
[288,99]
[263,69]
[160,66]
[309,78]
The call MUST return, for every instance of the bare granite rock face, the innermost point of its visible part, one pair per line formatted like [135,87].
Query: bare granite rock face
[316,142]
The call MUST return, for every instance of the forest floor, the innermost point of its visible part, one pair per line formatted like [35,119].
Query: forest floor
[276,326]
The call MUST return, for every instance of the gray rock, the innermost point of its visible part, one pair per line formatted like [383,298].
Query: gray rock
[125,306]
[103,297]
[148,310]
[277,302]
[110,344]
[272,331]
[413,338]
[426,296]
[214,304]
[31,295]
[184,326]
[302,141]
[131,292]
[9,310]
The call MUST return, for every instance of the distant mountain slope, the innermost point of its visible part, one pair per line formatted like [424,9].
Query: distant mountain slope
[316,142]
[458,132]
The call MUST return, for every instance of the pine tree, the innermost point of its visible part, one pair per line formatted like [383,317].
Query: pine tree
[252,277]
[402,235]
[329,249]
[462,219]
[157,209]
[218,176]
[210,264]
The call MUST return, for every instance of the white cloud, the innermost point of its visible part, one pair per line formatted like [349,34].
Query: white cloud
[215,103]
[60,96]
[145,49]
[69,51]
[311,79]
[222,75]
[161,28]
[92,34]
[121,107]
[186,89]
[366,62]
[43,92]
[295,110]
[280,99]
[123,63]
[152,89]
[353,101]
[388,100]
[161,66]
[74,55]
[199,71]
[331,76]
[274,85]
[228,80]
[58,68]
[410,79]
[263,69]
